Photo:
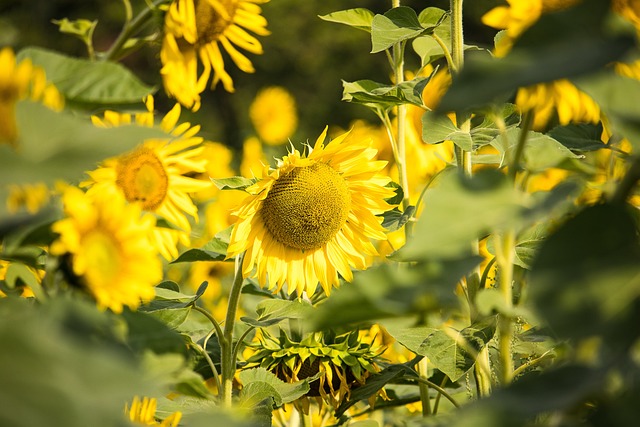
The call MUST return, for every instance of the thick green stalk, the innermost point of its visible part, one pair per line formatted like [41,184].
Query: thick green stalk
[423,368]
[505,254]
[228,360]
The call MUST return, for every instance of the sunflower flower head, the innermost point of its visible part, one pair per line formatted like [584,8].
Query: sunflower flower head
[154,175]
[334,365]
[200,30]
[143,412]
[22,80]
[312,218]
[106,242]
[273,114]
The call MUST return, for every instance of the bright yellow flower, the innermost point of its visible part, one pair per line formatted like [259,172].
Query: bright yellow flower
[107,241]
[21,81]
[143,412]
[31,197]
[311,218]
[274,115]
[196,29]
[169,123]
[518,16]
[560,97]
[153,175]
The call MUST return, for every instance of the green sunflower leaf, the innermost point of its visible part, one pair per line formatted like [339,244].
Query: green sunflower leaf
[233,183]
[579,136]
[359,18]
[396,219]
[260,384]
[214,250]
[273,311]
[88,82]
[396,25]
[377,95]
[451,351]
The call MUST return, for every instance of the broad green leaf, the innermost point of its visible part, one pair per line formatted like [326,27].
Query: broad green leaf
[437,128]
[88,82]
[585,279]
[273,311]
[579,136]
[448,224]
[60,146]
[233,183]
[260,384]
[541,151]
[359,18]
[563,44]
[172,317]
[214,250]
[524,402]
[396,219]
[145,332]
[377,95]
[396,25]
[454,352]
[57,369]
[432,16]
[394,290]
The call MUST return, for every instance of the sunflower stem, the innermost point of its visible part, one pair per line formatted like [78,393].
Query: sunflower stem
[505,254]
[131,27]
[228,359]
[425,399]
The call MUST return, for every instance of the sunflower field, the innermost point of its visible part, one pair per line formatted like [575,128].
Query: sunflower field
[254,213]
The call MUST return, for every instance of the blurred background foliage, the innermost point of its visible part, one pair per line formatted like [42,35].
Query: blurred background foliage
[305,55]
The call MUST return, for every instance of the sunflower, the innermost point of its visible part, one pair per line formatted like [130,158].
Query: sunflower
[273,114]
[153,175]
[143,412]
[311,218]
[21,81]
[341,363]
[559,99]
[196,29]
[31,197]
[107,244]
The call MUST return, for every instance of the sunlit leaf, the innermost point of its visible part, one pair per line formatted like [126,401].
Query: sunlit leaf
[359,18]
[88,82]
[233,183]
[260,384]
[396,25]
[579,136]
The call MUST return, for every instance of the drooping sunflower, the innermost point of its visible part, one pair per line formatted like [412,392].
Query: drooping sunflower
[107,243]
[196,29]
[312,218]
[274,115]
[341,363]
[143,412]
[21,81]
[153,175]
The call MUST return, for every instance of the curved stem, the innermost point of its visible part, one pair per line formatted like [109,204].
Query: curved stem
[214,322]
[227,354]
[424,387]
[439,390]
[436,403]
[527,122]
[130,28]
[236,348]
[452,66]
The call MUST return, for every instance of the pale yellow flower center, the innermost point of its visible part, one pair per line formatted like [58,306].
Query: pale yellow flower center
[307,206]
[143,178]
[102,256]
[211,23]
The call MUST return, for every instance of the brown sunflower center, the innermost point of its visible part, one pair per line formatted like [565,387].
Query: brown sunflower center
[212,18]
[307,206]
[143,178]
